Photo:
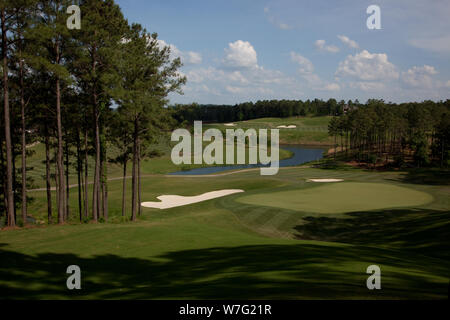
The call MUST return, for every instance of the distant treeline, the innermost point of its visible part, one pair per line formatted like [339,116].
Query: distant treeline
[260,109]
[394,134]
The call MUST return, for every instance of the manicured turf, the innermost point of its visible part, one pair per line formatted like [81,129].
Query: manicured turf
[225,249]
[284,238]
[341,197]
[309,130]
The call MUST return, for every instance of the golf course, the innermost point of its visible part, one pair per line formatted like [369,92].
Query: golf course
[283,237]
[224,158]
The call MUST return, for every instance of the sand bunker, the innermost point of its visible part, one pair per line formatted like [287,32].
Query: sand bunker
[325,180]
[230,124]
[171,201]
[287,127]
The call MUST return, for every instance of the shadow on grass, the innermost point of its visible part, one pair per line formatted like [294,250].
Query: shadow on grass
[427,176]
[246,272]
[423,231]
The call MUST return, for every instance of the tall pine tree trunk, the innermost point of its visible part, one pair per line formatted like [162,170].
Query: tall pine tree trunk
[9,166]
[105,194]
[79,172]
[95,193]
[59,157]
[134,174]
[2,173]
[104,181]
[66,151]
[139,177]
[86,167]
[47,175]
[59,154]
[124,183]
[24,147]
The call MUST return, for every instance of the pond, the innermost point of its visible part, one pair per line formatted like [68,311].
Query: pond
[301,154]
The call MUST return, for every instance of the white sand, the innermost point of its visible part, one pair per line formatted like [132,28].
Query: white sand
[230,124]
[287,127]
[325,180]
[171,201]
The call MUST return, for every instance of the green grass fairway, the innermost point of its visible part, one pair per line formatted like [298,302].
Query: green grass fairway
[226,249]
[309,130]
[341,197]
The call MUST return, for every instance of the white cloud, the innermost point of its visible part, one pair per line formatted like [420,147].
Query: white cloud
[419,76]
[367,66]
[187,57]
[234,90]
[202,74]
[332,87]
[321,45]
[367,85]
[240,54]
[347,41]
[306,66]
[237,76]
[193,57]
[284,26]
[447,84]
[436,44]
[274,21]
[313,81]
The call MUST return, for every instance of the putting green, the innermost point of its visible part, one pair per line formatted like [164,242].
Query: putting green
[341,197]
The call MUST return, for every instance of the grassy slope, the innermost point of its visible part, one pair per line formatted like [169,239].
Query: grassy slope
[225,249]
[310,130]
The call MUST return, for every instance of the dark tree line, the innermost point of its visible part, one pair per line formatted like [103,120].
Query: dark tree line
[259,109]
[416,133]
[78,92]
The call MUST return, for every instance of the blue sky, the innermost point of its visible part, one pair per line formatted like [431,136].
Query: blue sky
[249,50]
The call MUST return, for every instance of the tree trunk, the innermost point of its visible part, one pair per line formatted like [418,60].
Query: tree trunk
[79,172]
[56,180]
[101,196]
[47,176]
[14,179]
[24,147]
[9,166]
[134,174]
[66,151]
[124,184]
[86,200]
[2,161]
[95,193]
[105,200]
[59,157]
[139,177]
[104,183]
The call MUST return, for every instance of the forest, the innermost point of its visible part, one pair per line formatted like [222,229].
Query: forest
[394,135]
[260,109]
[74,91]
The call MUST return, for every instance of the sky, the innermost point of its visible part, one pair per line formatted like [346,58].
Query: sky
[247,50]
